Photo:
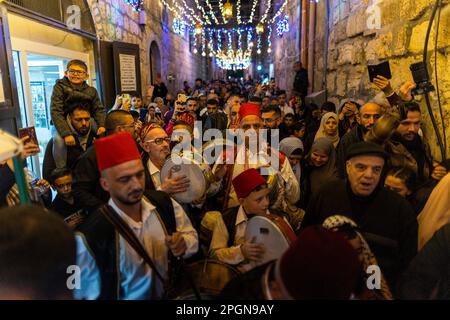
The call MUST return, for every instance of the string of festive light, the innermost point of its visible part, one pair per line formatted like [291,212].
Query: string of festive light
[249,39]
[205,16]
[252,14]
[136,4]
[282,26]
[238,12]
[279,12]
[171,9]
[211,42]
[211,12]
[269,40]
[221,10]
[230,41]
[203,43]
[219,40]
[183,13]
[264,17]
[193,13]
[259,45]
[239,31]
[194,39]
[179,26]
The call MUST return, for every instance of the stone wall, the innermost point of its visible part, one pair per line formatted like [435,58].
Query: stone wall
[116,21]
[286,50]
[359,37]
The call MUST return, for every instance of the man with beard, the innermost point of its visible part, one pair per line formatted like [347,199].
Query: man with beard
[368,116]
[272,118]
[407,148]
[110,267]
[86,187]
[79,121]
[386,220]
[247,157]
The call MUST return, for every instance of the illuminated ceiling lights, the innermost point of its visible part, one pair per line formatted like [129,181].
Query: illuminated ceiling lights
[198,29]
[283,26]
[264,17]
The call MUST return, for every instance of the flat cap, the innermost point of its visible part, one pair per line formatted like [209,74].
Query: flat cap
[366,148]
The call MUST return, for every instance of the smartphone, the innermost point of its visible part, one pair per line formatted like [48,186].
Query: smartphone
[382,69]
[31,133]
[126,96]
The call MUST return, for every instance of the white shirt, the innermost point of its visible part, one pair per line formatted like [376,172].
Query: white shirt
[219,242]
[155,173]
[290,183]
[136,278]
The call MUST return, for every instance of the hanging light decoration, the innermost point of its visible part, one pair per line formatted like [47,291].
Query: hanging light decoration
[269,40]
[136,4]
[179,26]
[259,28]
[282,26]
[227,11]
[198,29]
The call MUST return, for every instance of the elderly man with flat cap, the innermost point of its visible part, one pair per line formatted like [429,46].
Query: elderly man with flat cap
[386,220]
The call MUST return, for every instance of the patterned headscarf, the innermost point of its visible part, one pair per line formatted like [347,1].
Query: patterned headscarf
[365,254]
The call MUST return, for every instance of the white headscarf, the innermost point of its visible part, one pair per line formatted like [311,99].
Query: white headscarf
[321,132]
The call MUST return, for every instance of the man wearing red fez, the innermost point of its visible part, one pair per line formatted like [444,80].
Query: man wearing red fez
[110,267]
[248,156]
[228,242]
[319,265]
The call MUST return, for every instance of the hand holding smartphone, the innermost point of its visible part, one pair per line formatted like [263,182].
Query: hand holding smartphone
[382,69]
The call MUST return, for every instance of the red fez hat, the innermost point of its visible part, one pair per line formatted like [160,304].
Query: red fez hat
[248,109]
[115,149]
[187,118]
[320,264]
[246,182]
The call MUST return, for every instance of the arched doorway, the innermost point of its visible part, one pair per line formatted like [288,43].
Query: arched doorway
[155,61]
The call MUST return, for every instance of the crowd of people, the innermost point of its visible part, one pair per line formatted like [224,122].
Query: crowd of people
[356,185]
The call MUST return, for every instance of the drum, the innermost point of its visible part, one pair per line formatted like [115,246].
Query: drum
[212,149]
[210,276]
[272,231]
[198,172]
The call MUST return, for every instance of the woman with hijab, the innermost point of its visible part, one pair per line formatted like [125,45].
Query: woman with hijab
[329,128]
[292,147]
[319,168]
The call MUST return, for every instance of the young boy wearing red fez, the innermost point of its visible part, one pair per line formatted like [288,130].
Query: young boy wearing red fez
[228,232]
[110,267]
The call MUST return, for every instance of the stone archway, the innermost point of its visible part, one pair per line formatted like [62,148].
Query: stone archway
[155,61]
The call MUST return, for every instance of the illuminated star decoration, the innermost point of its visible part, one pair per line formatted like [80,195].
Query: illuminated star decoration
[136,4]
[282,26]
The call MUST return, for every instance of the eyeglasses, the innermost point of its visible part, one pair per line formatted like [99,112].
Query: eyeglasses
[269,120]
[159,141]
[77,72]
[129,126]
